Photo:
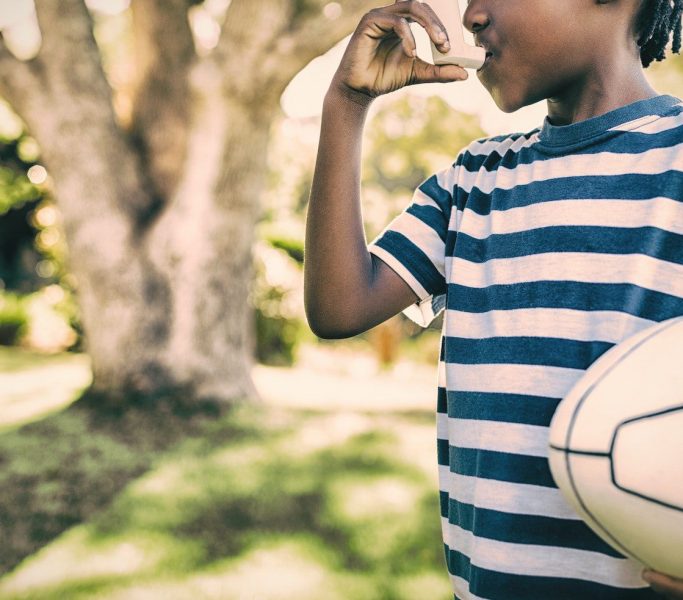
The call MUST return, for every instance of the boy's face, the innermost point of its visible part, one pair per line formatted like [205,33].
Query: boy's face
[546,48]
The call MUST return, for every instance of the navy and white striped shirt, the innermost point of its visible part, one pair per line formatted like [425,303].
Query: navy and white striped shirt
[545,249]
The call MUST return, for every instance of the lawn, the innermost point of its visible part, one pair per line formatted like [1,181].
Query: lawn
[325,490]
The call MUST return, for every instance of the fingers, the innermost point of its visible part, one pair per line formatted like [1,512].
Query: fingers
[407,38]
[380,24]
[422,13]
[669,587]
[424,72]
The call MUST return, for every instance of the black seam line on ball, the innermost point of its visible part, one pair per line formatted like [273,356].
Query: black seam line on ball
[587,393]
[654,415]
[582,452]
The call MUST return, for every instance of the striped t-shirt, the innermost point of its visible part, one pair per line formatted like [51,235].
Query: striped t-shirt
[545,249]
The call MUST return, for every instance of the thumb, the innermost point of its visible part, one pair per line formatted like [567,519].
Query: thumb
[424,72]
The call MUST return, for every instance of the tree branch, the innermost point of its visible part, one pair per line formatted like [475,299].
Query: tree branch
[264,43]
[69,111]
[313,33]
[69,62]
[247,36]
[165,54]
[16,78]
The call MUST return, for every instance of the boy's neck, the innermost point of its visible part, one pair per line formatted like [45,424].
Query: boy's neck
[608,87]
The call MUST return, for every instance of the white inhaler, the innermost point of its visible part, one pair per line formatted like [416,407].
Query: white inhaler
[460,53]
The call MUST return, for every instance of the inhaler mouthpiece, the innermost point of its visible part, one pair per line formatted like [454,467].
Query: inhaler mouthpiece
[460,53]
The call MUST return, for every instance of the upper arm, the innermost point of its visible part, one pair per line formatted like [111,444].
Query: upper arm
[390,293]
[386,296]
[405,267]
[410,254]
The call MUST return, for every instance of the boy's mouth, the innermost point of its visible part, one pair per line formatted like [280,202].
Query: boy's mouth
[487,59]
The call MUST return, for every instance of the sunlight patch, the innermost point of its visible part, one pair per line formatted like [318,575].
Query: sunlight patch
[55,564]
[429,584]
[416,446]
[363,498]
[282,572]
[326,431]
[169,477]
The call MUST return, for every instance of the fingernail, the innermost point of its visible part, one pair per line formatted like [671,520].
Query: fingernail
[442,35]
[446,45]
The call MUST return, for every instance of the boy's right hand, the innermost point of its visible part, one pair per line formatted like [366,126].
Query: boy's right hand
[381,58]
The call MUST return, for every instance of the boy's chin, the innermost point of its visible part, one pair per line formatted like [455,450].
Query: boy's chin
[509,102]
[506,104]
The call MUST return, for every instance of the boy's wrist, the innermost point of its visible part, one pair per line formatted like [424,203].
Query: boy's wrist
[340,95]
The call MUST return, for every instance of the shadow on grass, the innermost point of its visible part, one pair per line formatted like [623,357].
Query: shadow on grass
[59,471]
[214,504]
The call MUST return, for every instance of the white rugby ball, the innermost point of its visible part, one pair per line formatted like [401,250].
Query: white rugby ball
[616,447]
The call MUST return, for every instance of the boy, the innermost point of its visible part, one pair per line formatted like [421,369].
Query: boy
[544,249]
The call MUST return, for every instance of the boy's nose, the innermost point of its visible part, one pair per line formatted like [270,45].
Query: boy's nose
[476,16]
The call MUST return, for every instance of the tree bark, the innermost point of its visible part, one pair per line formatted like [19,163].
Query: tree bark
[160,219]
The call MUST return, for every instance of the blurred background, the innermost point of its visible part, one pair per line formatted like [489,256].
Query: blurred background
[169,426]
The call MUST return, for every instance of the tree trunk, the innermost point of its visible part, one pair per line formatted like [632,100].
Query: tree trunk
[159,219]
[204,241]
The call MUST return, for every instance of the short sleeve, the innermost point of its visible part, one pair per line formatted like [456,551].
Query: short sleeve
[414,245]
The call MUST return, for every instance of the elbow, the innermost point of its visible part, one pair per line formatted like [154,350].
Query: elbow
[333,315]
[327,330]
[329,327]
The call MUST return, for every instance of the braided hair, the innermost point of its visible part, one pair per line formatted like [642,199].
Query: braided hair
[657,20]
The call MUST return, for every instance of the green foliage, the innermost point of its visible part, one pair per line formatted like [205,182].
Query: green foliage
[277,301]
[293,247]
[13,318]
[20,256]
[277,336]
[15,189]
[407,140]
[667,76]
[279,329]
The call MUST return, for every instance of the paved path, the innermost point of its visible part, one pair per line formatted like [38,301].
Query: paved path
[331,381]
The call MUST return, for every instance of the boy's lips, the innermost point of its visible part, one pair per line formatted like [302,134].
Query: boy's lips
[487,60]
[489,53]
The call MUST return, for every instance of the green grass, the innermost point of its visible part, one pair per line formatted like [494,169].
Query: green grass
[260,503]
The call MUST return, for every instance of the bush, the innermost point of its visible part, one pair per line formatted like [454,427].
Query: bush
[293,248]
[278,305]
[13,319]
[277,336]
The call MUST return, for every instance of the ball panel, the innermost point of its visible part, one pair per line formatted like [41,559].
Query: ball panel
[560,424]
[586,473]
[646,457]
[646,531]
[645,378]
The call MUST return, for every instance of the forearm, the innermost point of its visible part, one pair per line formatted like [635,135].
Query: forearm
[347,290]
[337,265]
